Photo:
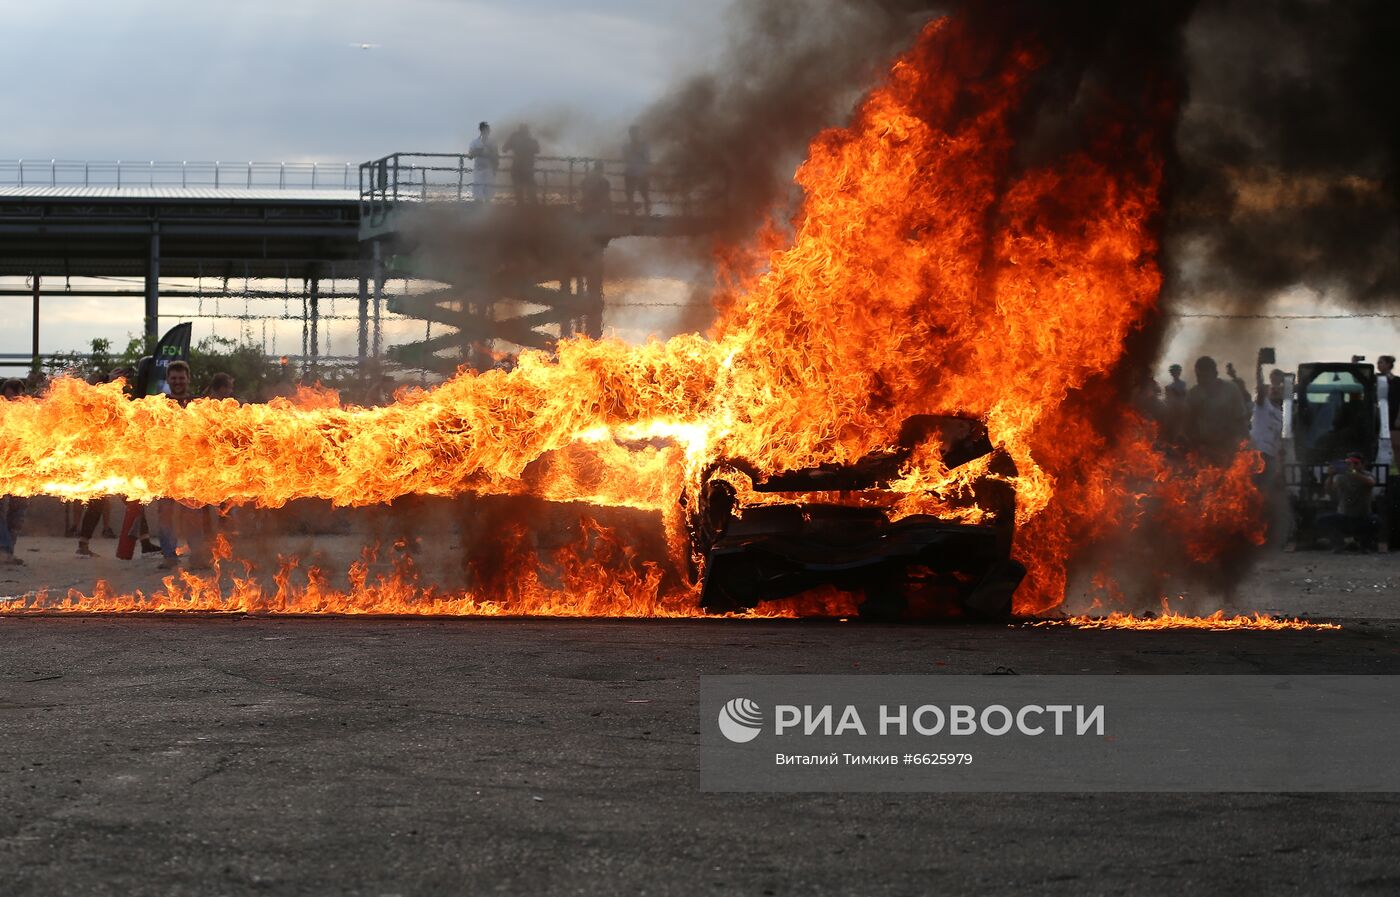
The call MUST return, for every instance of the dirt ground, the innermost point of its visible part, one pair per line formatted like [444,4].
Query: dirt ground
[238,755]
[291,756]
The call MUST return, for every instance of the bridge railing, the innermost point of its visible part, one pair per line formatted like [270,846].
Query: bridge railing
[217,175]
[558,180]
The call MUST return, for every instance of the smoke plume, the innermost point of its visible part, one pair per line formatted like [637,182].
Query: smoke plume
[1287,152]
[792,67]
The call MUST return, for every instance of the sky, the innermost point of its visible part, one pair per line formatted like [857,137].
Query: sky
[279,80]
[284,80]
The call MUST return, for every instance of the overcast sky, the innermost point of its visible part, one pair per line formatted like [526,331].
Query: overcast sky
[275,80]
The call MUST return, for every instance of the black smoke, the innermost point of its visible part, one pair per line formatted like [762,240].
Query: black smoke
[1283,168]
[1287,149]
[790,68]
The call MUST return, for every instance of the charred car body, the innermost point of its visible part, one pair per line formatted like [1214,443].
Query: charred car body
[918,564]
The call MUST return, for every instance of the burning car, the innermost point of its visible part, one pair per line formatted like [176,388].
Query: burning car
[828,526]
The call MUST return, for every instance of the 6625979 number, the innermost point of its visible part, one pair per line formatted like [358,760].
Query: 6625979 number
[938,759]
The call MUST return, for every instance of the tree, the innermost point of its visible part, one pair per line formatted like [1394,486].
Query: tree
[251,370]
[99,362]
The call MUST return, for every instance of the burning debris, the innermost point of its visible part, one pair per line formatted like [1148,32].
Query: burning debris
[943,263]
[798,530]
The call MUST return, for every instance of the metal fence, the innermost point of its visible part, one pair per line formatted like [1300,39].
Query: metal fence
[556,180]
[218,175]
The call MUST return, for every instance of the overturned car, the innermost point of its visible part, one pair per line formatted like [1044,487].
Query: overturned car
[917,565]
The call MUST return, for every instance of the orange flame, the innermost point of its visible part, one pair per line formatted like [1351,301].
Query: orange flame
[928,271]
[1169,619]
[631,588]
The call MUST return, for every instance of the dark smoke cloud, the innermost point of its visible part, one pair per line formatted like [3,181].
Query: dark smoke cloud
[1288,150]
[792,68]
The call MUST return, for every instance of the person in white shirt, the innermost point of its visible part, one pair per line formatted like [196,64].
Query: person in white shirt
[1266,437]
[487,157]
[1266,426]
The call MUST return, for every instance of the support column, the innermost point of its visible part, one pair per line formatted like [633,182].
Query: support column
[153,290]
[37,290]
[305,325]
[315,317]
[566,324]
[377,274]
[363,333]
[484,360]
[593,318]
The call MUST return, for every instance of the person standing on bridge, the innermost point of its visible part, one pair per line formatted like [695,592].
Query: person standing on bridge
[595,202]
[523,149]
[487,159]
[636,174]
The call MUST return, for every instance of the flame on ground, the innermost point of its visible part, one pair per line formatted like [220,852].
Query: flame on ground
[395,588]
[1216,622]
[930,270]
[1170,619]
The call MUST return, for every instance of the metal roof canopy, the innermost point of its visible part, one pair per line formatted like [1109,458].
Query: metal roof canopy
[153,230]
[75,231]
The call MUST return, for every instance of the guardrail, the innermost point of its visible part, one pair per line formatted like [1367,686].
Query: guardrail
[218,175]
[557,180]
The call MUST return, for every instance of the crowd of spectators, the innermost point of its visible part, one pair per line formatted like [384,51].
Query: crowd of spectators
[1212,420]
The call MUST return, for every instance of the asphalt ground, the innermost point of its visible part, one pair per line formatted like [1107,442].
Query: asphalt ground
[199,756]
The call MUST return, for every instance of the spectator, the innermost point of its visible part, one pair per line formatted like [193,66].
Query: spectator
[1350,486]
[596,198]
[1216,422]
[97,510]
[12,507]
[1266,437]
[180,519]
[77,512]
[523,149]
[1174,410]
[177,382]
[220,386]
[1239,383]
[133,518]
[94,510]
[1147,395]
[1177,388]
[636,178]
[72,516]
[487,157]
[125,375]
[1266,427]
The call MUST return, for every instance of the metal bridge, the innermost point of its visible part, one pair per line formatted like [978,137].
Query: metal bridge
[513,266]
[523,267]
